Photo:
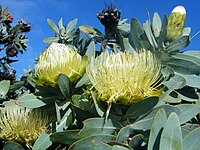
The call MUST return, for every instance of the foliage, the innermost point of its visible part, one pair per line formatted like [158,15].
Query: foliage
[12,41]
[80,119]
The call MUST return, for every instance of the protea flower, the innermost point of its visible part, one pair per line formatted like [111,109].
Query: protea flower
[176,23]
[59,59]
[126,78]
[21,124]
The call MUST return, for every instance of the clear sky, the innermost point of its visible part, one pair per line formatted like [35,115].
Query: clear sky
[37,11]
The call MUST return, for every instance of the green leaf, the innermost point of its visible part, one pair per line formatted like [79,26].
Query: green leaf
[171,137]
[87,29]
[99,126]
[127,46]
[178,44]
[136,31]
[148,31]
[60,24]
[194,53]
[118,147]
[175,82]
[43,142]
[90,142]
[97,105]
[157,125]
[83,81]
[90,51]
[192,140]
[141,107]
[188,111]
[128,130]
[188,94]
[156,24]
[64,85]
[185,64]
[65,122]
[50,40]
[30,101]
[71,26]
[163,32]
[192,80]
[66,137]
[145,123]
[4,87]
[136,141]
[10,145]
[53,26]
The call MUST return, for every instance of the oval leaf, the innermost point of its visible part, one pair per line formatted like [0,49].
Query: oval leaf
[43,142]
[141,107]
[30,101]
[64,85]
[10,145]
[4,87]
[53,26]
[171,137]
[192,140]
[157,125]
[99,126]
[90,142]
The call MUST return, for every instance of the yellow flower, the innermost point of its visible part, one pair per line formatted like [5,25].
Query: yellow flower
[21,124]
[59,59]
[126,78]
[176,23]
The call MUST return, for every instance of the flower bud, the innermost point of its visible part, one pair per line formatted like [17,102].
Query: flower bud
[176,22]
[59,59]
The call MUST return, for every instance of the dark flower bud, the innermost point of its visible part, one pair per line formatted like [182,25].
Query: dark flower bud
[109,17]
[10,18]
[11,52]
[25,27]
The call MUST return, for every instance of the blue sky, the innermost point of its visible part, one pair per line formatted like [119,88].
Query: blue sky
[37,11]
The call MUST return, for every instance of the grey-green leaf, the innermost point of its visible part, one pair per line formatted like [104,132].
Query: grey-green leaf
[10,145]
[90,142]
[64,85]
[71,25]
[171,137]
[158,123]
[188,111]
[4,87]
[90,51]
[30,101]
[50,40]
[178,44]
[156,24]
[141,107]
[94,126]
[192,140]
[53,26]
[43,142]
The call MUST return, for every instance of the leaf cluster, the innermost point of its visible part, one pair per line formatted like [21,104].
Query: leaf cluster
[80,121]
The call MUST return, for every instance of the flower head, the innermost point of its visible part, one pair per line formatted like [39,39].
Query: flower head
[21,124]
[126,78]
[176,23]
[59,59]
